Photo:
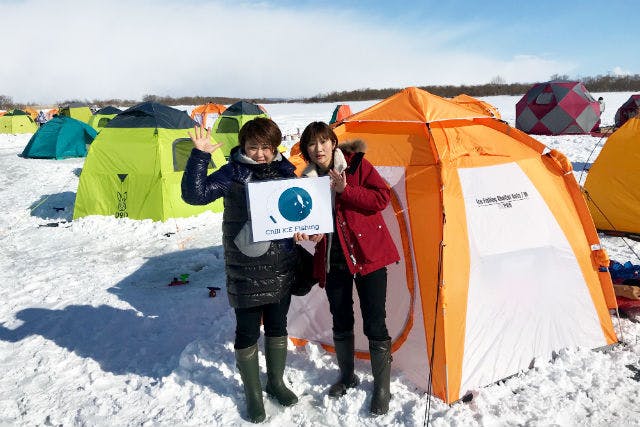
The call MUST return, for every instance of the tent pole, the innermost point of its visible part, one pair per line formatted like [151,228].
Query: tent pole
[619,325]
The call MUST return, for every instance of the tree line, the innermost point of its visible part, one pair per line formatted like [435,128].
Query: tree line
[497,86]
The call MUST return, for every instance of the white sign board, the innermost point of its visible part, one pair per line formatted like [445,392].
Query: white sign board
[281,208]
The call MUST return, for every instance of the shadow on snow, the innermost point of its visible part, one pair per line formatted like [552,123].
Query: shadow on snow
[54,206]
[148,338]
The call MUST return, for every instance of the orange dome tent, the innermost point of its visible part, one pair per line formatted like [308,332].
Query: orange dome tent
[207,114]
[477,105]
[495,239]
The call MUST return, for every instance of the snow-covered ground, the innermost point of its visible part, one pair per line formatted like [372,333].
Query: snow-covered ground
[90,333]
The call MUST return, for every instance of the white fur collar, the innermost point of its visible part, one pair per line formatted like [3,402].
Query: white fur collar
[339,165]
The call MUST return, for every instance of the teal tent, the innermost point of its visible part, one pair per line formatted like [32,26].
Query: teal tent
[59,138]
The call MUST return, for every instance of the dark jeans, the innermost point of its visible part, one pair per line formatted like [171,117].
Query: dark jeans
[273,316]
[372,291]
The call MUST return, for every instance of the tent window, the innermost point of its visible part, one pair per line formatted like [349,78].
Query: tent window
[103,122]
[544,98]
[227,125]
[181,152]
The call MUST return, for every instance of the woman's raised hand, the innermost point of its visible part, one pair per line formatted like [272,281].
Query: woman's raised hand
[338,181]
[201,138]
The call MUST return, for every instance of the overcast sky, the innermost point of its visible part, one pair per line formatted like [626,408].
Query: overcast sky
[84,49]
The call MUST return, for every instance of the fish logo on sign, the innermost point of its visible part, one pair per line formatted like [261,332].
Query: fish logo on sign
[295,204]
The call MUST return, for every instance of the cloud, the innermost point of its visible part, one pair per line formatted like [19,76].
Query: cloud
[619,71]
[72,49]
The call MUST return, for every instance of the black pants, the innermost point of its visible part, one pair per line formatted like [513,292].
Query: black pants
[372,291]
[273,316]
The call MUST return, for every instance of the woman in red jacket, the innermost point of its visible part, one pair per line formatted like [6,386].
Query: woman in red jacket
[358,251]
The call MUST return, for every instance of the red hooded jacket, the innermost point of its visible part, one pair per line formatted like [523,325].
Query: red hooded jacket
[364,237]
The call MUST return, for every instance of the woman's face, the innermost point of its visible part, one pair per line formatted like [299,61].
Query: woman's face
[258,153]
[321,152]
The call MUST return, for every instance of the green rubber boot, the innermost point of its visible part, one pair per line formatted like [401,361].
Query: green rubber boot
[344,345]
[380,352]
[247,363]
[275,349]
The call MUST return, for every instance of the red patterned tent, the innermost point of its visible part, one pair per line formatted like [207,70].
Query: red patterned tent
[630,108]
[558,108]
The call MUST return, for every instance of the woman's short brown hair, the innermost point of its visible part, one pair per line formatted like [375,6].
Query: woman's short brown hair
[316,131]
[263,131]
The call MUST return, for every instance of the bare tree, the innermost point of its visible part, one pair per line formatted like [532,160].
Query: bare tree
[6,102]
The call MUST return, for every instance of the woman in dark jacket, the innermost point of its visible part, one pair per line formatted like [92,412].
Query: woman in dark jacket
[259,274]
[359,250]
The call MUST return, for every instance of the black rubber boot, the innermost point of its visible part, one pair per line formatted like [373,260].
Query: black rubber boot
[344,344]
[380,352]
[247,363]
[275,350]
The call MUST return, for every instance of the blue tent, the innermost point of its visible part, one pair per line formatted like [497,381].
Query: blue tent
[59,138]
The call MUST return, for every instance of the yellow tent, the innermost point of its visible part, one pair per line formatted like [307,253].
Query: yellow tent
[17,121]
[612,186]
[31,112]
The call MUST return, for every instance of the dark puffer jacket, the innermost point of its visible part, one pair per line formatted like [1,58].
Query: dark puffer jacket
[251,280]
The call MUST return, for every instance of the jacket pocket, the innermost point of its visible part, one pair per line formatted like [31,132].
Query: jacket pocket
[369,239]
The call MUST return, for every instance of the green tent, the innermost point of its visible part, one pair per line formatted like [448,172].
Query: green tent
[103,116]
[17,121]
[228,124]
[135,166]
[76,111]
[60,138]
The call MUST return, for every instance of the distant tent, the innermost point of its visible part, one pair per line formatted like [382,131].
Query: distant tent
[477,105]
[51,113]
[76,111]
[103,116]
[558,108]
[227,126]
[31,112]
[612,187]
[206,115]
[17,121]
[295,157]
[631,108]
[135,166]
[60,138]
[339,113]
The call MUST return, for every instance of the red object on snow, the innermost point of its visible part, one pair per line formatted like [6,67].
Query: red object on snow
[212,291]
[176,282]
[624,303]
